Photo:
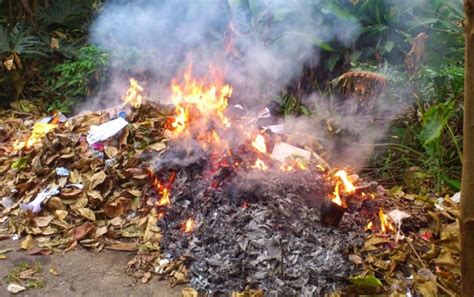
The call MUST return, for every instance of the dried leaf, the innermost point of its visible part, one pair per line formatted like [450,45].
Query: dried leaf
[97,179]
[28,243]
[123,246]
[189,292]
[87,213]
[82,231]
[43,221]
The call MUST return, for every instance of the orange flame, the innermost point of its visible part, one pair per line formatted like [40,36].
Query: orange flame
[348,186]
[259,164]
[133,96]
[385,224]
[209,96]
[259,144]
[165,198]
[189,226]
[336,197]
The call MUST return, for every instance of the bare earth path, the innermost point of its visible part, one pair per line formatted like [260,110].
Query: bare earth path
[82,273]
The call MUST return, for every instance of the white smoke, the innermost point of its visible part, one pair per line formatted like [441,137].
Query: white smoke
[261,45]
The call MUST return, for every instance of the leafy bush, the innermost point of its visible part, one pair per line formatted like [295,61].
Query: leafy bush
[73,80]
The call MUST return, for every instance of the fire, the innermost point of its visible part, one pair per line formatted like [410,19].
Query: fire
[348,186]
[301,164]
[165,198]
[259,144]
[259,164]
[133,96]
[189,226]
[286,167]
[385,224]
[336,197]
[369,226]
[208,96]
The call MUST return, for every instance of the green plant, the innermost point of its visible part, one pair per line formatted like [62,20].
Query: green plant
[71,81]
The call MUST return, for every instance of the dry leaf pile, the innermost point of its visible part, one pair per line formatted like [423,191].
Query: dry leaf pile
[102,199]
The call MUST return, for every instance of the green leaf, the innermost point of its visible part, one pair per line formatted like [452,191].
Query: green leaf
[435,120]
[368,281]
[20,163]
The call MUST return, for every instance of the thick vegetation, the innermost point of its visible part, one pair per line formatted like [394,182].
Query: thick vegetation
[46,57]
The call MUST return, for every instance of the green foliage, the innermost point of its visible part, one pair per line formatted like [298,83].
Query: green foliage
[33,40]
[71,80]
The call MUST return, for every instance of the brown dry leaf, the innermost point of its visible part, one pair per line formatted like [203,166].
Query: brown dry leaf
[28,243]
[43,221]
[372,242]
[54,271]
[428,288]
[70,192]
[61,214]
[9,64]
[355,259]
[146,277]
[113,209]
[111,151]
[157,146]
[82,231]
[54,43]
[189,292]
[97,179]
[95,195]
[101,231]
[123,246]
[54,203]
[87,213]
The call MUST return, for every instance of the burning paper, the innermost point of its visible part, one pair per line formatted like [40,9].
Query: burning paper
[106,130]
[35,205]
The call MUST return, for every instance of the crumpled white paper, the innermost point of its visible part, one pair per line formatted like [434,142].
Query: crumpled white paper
[35,205]
[106,130]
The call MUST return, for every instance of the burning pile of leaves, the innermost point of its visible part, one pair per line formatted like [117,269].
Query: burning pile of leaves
[204,198]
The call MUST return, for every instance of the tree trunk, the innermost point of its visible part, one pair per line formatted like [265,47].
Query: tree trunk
[467,189]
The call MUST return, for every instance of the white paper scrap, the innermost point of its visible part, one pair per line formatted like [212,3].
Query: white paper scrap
[35,205]
[106,130]
[282,151]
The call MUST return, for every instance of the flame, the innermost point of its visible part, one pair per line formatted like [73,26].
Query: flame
[286,167]
[208,96]
[301,164]
[385,224]
[349,188]
[336,197]
[259,144]
[369,226]
[189,226]
[165,198]
[259,164]
[133,95]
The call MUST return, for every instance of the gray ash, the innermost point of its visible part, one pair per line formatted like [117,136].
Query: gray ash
[257,230]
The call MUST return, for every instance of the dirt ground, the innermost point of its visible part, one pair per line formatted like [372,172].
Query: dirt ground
[82,273]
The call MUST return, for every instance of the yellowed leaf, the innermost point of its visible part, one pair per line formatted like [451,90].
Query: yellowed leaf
[28,243]
[87,213]
[189,292]
[111,151]
[43,221]
[54,43]
[97,179]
